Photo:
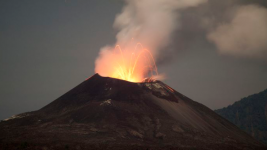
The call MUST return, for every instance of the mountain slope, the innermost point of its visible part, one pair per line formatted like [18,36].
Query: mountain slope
[249,114]
[107,113]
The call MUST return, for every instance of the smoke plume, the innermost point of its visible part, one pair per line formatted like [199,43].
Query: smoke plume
[150,22]
[245,35]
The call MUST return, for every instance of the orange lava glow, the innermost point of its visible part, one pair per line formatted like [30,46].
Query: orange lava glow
[134,64]
[169,88]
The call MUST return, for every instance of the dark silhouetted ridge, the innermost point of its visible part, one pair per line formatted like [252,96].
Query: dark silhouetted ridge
[249,114]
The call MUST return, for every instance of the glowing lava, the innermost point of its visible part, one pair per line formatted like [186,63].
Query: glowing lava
[132,65]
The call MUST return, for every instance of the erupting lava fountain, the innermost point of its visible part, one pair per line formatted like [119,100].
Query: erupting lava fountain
[130,64]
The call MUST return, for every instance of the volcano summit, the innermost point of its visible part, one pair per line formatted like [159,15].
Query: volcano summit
[108,113]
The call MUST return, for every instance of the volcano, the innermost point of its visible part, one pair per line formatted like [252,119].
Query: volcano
[108,113]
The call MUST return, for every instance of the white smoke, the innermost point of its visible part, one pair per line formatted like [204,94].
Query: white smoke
[245,35]
[150,22]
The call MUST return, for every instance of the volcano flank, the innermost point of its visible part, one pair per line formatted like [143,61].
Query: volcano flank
[108,113]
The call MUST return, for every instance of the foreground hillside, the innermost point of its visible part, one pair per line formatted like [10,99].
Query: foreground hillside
[106,113]
[249,114]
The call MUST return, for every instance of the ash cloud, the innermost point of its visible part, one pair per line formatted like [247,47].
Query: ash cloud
[216,25]
[171,28]
[244,35]
[151,21]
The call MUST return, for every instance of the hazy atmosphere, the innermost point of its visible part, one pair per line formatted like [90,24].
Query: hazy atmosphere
[211,53]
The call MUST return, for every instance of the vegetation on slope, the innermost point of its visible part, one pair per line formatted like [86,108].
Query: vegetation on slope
[249,114]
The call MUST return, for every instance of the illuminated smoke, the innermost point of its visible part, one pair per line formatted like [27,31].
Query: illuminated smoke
[149,22]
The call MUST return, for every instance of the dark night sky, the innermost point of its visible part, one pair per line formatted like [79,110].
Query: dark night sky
[48,47]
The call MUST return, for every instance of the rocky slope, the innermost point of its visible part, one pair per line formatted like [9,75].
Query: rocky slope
[107,113]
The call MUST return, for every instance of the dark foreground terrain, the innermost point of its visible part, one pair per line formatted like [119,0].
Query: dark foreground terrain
[249,114]
[106,113]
